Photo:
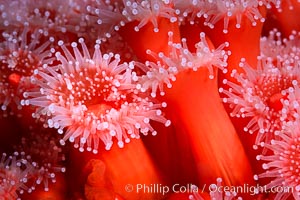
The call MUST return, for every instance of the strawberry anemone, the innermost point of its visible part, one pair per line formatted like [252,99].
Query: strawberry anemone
[283,164]
[15,171]
[259,95]
[21,54]
[93,98]
[170,60]
[261,92]
[195,68]
[46,156]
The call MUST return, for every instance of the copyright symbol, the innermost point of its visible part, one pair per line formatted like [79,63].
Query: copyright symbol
[128,188]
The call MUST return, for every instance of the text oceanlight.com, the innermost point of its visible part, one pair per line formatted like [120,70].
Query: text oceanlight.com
[191,188]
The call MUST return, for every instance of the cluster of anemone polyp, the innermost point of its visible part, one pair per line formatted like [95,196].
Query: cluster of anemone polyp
[215,82]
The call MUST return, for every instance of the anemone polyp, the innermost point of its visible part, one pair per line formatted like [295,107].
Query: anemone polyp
[92,98]
[15,171]
[227,9]
[148,11]
[190,10]
[98,19]
[283,165]
[279,49]
[214,11]
[21,54]
[50,16]
[167,66]
[259,94]
[46,155]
